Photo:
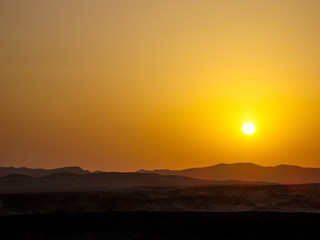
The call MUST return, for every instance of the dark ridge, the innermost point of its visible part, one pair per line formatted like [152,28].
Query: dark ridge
[39,172]
[281,174]
[16,176]
[104,182]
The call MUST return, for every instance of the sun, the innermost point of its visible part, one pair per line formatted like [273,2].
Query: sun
[248,128]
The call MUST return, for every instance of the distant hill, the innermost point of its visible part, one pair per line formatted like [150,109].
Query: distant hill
[39,172]
[102,182]
[282,174]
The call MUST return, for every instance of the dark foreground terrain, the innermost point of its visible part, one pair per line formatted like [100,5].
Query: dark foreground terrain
[277,198]
[162,225]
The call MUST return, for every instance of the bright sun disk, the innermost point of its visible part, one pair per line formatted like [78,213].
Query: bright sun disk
[248,128]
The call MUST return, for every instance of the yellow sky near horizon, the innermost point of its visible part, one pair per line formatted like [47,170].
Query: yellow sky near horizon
[124,85]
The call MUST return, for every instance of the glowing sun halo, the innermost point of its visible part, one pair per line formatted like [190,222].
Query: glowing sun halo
[249,128]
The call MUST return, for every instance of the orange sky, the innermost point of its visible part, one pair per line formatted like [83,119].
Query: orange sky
[123,85]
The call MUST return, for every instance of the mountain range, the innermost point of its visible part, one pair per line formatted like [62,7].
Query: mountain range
[40,172]
[106,181]
[222,187]
[77,179]
[281,174]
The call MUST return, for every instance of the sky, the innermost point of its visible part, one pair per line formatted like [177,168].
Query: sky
[127,85]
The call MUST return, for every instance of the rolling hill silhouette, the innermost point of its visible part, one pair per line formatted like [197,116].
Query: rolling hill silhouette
[39,172]
[102,182]
[282,174]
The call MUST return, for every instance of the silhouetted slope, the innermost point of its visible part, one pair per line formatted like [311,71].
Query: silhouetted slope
[283,174]
[102,181]
[39,172]
[91,182]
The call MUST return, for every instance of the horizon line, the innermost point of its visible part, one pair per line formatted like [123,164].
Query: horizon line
[157,169]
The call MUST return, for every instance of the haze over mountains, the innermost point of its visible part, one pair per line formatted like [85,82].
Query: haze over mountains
[75,178]
[106,181]
[68,182]
[282,174]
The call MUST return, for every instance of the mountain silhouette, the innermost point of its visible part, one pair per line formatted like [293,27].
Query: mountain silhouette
[282,174]
[64,182]
[39,172]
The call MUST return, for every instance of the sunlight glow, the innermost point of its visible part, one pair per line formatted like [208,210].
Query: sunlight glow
[248,128]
